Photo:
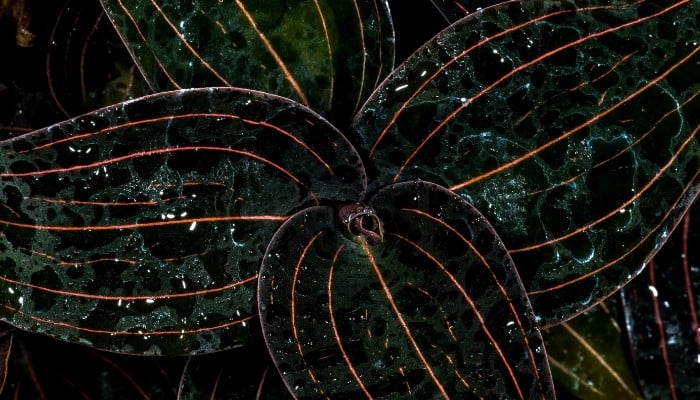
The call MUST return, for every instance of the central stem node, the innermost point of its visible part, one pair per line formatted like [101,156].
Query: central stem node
[361,220]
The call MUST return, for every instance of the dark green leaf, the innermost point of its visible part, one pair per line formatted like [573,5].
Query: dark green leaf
[326,54]
[140,227]
[587,355]
[571,125]
[662,312]
[436,309]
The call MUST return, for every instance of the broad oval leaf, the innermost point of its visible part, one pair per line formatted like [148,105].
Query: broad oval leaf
[141,227]
[571,125]
[661,316]
[435,310]
[327,54]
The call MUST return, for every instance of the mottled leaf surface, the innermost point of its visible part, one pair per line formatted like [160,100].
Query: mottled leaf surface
[436,310]
[326,54]
[140,227]
[661,313]
[587,355]
[571,125]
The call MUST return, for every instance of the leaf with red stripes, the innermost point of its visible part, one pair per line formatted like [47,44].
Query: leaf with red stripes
[571,125]
[140,227]
[662,309]
[329,55]
[418,298]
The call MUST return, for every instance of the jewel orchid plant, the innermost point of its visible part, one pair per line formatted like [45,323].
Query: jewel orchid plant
[389,231]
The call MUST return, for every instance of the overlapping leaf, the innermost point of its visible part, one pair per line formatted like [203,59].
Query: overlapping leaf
[571,125]
[87,66]
[238,374]
[7,334]
[435,310]
[661,314]
[42,368]
[587,355]
[326,54]
[140,227]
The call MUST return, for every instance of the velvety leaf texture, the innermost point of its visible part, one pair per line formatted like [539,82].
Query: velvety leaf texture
[661,315]
[140,227]
[435,310]
[571,125]
[326,54]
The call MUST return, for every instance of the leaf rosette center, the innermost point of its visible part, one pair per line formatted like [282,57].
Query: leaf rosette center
[361,220]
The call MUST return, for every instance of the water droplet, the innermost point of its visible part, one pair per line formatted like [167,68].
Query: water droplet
[653,291]
[401,87]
